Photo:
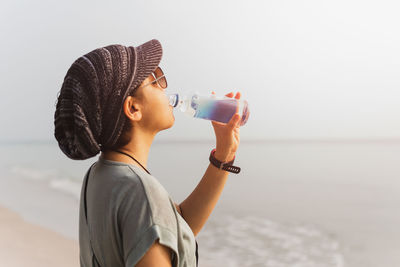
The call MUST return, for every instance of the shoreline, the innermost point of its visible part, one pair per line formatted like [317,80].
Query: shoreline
[346,195]
[26,244]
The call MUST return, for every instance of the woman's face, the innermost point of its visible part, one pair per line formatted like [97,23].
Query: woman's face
[156,112]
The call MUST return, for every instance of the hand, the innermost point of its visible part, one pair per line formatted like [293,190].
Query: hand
[227,135]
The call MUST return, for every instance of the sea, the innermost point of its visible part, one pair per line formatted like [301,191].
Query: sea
[297,203]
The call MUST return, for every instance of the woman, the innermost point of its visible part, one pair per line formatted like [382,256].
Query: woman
[113,101]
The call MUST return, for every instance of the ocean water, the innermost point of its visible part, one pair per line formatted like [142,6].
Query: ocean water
[293,203]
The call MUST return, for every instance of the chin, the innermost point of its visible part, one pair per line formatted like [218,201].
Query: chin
[170,124]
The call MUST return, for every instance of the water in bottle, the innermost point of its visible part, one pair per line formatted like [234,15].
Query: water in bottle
[210,107]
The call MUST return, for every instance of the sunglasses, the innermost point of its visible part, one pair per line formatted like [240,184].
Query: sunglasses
[159,78]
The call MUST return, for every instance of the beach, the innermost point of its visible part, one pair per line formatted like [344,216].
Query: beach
[26,244]
[292,204]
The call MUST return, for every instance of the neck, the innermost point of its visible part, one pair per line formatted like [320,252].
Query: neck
[138,147]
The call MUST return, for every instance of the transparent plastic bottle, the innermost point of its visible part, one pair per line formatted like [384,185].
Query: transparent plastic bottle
[210,107]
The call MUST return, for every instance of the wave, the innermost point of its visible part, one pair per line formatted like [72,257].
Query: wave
[255,241]
[54,178]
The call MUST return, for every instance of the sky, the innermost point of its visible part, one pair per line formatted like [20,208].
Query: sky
[308,69]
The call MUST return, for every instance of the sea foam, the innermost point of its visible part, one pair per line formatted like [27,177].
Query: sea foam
[255,241]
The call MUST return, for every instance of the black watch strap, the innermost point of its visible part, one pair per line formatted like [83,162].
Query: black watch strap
[227,166]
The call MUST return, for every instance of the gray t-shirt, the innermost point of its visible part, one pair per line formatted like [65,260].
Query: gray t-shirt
[127,211]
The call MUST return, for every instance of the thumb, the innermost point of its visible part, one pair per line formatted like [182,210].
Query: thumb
[234,121]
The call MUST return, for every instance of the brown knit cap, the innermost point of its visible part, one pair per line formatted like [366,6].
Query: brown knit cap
[88,116]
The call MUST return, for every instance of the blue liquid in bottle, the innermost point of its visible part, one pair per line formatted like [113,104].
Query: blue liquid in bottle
[214,108]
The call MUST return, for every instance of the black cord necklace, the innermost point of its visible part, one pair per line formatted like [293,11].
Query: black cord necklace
[133,159]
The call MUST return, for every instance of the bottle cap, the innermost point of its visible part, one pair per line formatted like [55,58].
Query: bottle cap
[173,99]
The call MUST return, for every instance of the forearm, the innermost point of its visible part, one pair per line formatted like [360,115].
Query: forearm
[197,207]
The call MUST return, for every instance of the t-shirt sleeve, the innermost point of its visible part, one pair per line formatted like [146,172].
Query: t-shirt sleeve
[139,225]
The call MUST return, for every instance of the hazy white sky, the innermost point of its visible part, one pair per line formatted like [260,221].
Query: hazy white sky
[309,69]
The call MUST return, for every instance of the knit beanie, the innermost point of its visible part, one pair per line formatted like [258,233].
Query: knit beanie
[89,114]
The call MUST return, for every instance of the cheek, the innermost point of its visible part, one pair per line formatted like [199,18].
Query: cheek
[163,101]
[160,107]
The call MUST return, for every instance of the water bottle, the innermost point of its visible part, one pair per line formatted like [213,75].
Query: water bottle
[210,107]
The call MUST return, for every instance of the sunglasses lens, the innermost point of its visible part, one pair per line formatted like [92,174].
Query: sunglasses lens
[162,81]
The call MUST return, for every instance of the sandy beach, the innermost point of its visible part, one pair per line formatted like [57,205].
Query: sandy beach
[316,205]
[26,244]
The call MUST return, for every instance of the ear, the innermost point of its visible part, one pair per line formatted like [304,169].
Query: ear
[132,108]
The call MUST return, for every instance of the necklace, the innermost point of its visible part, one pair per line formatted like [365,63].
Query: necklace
[133,159]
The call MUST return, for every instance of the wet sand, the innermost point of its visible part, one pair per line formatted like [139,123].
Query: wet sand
[26,244]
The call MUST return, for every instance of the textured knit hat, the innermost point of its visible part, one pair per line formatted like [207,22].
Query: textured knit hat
[88,116]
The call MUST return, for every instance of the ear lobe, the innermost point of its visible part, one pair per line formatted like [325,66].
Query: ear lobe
[135,113]
[131,109]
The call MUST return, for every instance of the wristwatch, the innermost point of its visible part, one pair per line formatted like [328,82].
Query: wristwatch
[227,166]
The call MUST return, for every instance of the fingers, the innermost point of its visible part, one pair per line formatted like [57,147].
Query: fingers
[237,96]
[234,122]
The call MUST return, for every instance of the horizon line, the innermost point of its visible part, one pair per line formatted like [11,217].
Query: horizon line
[253,140]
